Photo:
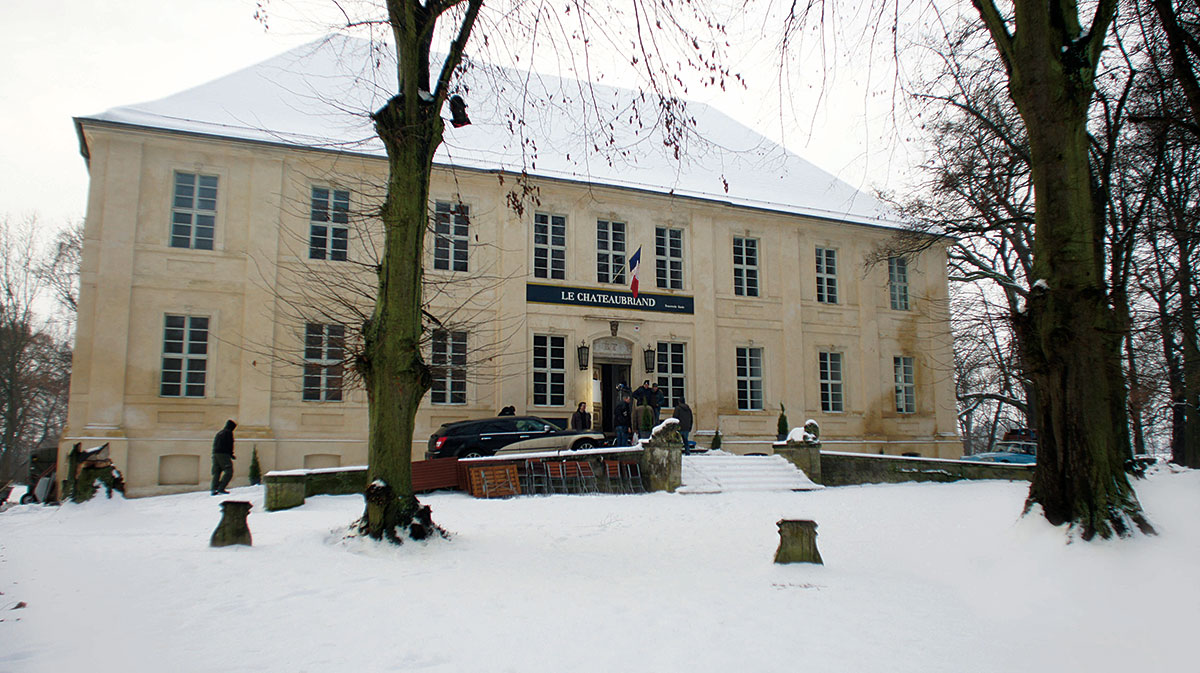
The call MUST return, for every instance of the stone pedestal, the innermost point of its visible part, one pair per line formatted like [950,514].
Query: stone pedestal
[662,459]
[805,456]
[233,528]
[797,542]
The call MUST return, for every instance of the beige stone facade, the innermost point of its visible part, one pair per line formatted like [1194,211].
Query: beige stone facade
[257,284]
[229,256]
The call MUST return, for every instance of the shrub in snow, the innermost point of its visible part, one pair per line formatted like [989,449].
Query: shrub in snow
[716,442]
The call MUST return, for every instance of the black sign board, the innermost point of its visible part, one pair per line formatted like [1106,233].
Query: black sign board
[583,296]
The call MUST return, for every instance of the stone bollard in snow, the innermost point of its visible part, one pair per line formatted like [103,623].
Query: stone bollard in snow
[797,542]
[662,457]
[233,528]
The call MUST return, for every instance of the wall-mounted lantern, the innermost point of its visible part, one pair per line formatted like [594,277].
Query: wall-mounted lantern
[582,354]
[650,362]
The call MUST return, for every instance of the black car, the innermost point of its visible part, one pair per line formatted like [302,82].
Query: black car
[506,434]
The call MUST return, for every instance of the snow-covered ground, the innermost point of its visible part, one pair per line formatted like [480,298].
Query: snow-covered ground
[918,577]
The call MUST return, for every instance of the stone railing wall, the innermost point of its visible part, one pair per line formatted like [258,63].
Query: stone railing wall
[845,469]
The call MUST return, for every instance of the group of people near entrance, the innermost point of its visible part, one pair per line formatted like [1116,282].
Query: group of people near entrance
[629,411]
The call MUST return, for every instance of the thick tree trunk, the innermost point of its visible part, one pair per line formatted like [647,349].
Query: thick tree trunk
[1189,453]
[1070,336]
[394,371]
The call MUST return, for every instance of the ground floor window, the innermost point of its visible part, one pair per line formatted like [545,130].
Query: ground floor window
[749,378]
[906,387]
[185,356]
[672,377]
[448,365]
[829,366]
[549,370]
[324,355]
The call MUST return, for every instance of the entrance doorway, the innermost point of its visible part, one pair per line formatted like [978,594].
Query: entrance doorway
[609,375]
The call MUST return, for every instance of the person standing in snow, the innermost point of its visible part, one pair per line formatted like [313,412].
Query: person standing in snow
[222,458]
[684,414]
[581,419]
[623,421]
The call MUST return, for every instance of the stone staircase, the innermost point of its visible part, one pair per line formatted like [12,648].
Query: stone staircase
[722,472]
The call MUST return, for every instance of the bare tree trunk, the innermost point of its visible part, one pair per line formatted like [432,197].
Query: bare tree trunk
[1070,336]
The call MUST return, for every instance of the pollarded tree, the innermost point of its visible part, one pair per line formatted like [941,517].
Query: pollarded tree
[1071,335]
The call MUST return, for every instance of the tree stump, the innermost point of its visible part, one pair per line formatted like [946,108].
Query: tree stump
[233,528]
[797,542]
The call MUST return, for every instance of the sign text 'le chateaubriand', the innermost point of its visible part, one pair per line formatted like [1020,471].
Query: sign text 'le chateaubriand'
[583,296]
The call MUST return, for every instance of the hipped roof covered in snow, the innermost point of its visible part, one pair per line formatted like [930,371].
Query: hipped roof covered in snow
[319,96]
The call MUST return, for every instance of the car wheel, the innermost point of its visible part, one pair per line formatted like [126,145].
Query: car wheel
[583,445]
[471,453]
[27,498]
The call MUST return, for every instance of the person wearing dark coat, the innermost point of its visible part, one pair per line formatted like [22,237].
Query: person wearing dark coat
[623,421]
[222,458]
[581,419]
[655,399]
[684,413]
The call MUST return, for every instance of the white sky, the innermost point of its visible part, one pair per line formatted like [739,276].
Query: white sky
[66,58]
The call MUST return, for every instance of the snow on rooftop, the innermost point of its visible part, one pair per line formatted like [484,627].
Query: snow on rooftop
[318,95]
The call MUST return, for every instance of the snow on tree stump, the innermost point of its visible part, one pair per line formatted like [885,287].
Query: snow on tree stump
[233,528]
[797,542]
[662,457]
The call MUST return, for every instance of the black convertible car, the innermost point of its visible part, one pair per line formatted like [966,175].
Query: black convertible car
[506,434]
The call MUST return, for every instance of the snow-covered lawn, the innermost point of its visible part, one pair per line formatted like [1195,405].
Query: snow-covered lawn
[917,578]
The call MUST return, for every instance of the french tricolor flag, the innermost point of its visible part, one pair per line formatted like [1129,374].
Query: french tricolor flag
[635,263]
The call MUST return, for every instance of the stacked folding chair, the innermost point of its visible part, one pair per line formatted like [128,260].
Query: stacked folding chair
[632,472]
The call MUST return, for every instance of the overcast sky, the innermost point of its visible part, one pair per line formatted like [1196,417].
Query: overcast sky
[66,58]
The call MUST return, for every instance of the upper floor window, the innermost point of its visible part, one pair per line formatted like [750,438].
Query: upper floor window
[324,362]
[745,266]
[668,257]
[829,366]
[549,246]
[906,385]
[610,252]
[329,216]
[672,372]
[194,211]
[451,231]
[448,365]
[184,356]
[549,370]
[750,378]
[827,289]
[898,282]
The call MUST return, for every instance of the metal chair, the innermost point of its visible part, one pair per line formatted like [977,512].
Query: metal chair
[613,477]
[534,478]
[556,477]
[585,476]
[633,473]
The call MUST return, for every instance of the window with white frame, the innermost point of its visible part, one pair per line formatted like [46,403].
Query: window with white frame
[898,282]
[829,366]
[451,235]
[549,246]
[185,356]
[906,385]
[448,365]
[668,257]
[672,372]
[549,370]
[827,289]
[329,217]
[610,252]
[745,266]
[194,211]
[324,362]
[750,378]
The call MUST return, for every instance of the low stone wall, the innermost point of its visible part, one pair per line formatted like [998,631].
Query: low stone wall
[289,488]
[846,469]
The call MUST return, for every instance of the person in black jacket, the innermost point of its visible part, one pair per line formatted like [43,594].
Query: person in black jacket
[623,421]
[222,458]
[581,419]
[684,413]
